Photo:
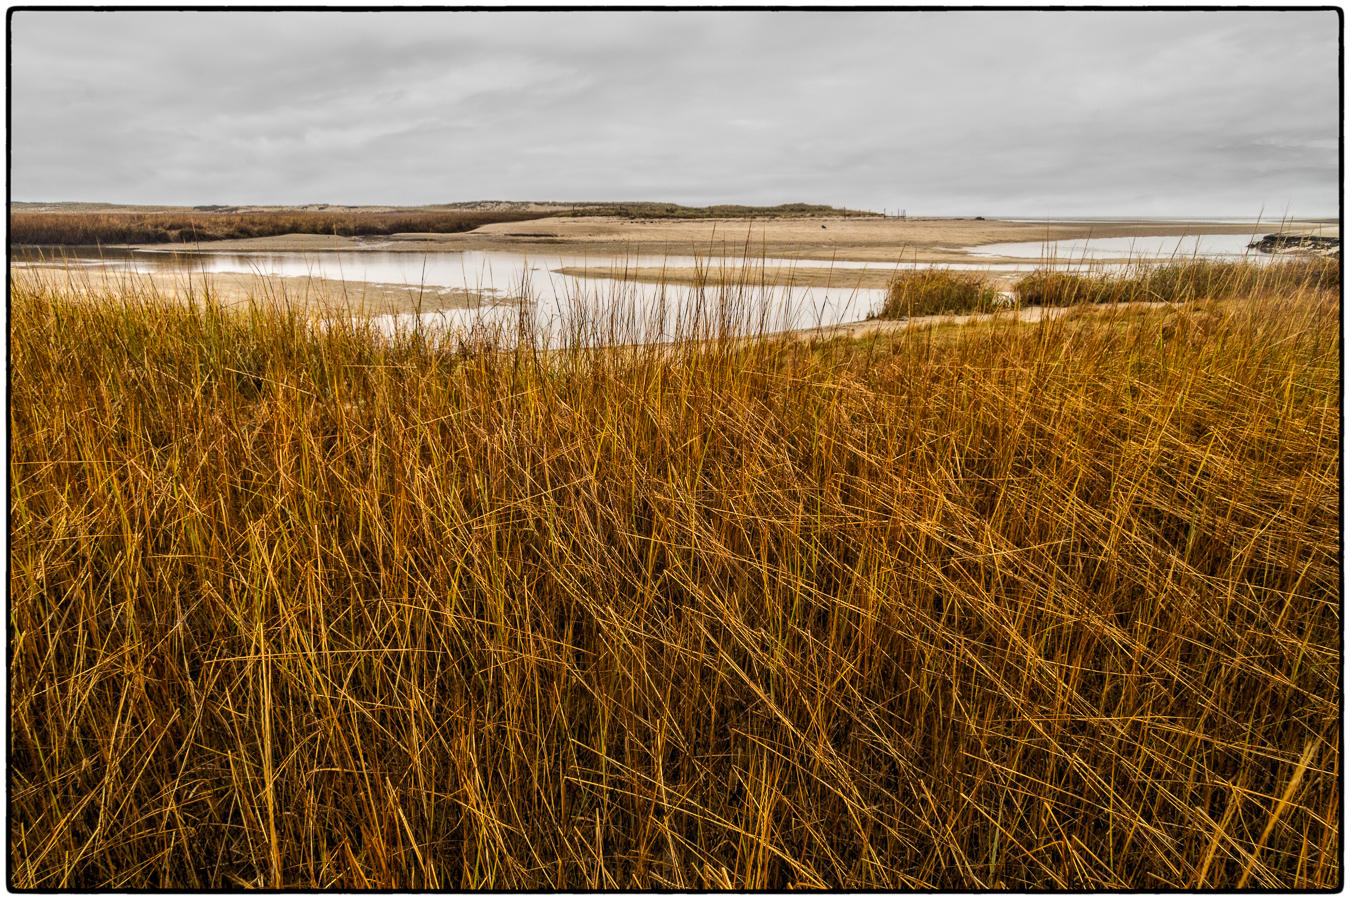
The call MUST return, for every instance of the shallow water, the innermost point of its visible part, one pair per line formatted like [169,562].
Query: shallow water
[485,271]
[617,312]
[1204,246]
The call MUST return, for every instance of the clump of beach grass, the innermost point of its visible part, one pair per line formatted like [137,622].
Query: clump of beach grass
[1051,606]
[936,291]
[1176,282]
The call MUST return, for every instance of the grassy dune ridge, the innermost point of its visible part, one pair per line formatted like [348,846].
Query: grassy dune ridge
[120,226]
[89,228]
[1004,606]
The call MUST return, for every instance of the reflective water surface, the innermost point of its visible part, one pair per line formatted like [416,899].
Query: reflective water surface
[1206,246]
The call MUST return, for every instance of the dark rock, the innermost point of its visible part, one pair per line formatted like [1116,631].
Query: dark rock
[1296,243]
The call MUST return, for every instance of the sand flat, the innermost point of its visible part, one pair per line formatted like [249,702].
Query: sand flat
[311,295]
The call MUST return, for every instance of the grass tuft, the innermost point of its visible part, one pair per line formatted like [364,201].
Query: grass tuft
[926,292]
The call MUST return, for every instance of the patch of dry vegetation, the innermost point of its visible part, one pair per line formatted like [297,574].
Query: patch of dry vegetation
[1178,282]
[1050,606]
[934,292]
[88,227]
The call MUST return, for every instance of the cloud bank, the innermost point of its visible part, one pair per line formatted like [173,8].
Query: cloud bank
[945,113]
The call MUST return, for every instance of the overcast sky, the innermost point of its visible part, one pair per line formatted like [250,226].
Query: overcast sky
[955,113]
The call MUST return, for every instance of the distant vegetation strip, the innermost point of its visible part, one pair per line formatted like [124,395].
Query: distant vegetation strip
[88,226]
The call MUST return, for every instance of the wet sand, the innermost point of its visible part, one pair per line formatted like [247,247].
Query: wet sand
[795,276]
[715,274]
[311,295]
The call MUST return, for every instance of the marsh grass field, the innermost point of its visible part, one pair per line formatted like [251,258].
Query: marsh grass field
[1026,606]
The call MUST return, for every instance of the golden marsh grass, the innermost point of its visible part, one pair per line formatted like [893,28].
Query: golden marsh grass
[1009,606]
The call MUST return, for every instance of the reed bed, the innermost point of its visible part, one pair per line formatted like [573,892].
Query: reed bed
[1050,606]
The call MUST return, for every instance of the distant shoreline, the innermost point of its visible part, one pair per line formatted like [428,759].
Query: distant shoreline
[846,238]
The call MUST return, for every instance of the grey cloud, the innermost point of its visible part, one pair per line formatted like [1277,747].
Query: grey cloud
[951,112]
